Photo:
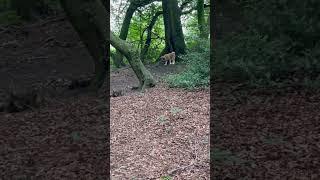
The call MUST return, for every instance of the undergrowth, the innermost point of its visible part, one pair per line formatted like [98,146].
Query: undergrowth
[9,18]
[197,70]
[277,49]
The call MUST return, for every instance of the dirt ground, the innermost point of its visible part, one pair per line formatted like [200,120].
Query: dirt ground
[124,79]
[41,52]
[66,137]
[164,132]
[265,133]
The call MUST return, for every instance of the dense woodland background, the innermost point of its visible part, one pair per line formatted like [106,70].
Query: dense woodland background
[273,43]
[155,28]
[277,43]
[261,61]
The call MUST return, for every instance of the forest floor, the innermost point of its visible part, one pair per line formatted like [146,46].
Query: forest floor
[258,133]
[265,133]
[161,132]
[66,138]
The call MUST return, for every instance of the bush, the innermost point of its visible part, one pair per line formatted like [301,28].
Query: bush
[197,70]
[264,61]
[281,45]
[4,5]
[9,18]
[18,10]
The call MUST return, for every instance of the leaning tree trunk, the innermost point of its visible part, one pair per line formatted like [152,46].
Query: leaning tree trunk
[173,28]
[90,19]
[145,78]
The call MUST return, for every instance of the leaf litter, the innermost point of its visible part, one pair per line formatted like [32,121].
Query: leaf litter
[160,134]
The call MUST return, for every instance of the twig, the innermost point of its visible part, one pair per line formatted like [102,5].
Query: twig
[36,58]
[4,30]
[98,107]
[14,42]
[172,172]
[45,22]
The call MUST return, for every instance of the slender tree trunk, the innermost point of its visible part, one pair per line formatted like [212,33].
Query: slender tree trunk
[147,43]
[145,78]
[213,32]
[208,22]
[105,3]
[90,20]
[134,5]
[173,28]
[118,61]
[201,21]
[23,8]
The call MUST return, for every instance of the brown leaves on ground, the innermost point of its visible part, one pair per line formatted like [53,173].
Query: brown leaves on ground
[163,132]
[265,134]
[66,140]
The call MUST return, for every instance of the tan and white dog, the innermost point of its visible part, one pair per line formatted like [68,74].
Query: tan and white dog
[170,57]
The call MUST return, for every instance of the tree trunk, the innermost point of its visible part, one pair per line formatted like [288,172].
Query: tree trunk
[229,18]
[147,44]
[208,22]
[90,20]
[106,4]
[134,5]
[201,21]
[173,28]
[213,34]
[23,8]
[145,78]
[118,61]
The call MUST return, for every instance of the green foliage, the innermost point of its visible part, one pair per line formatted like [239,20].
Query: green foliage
[197,70]
[175,110]
[14,11]
[220,156]
[137,33]
[75,135]
[162,119]
[281,45]
[273,140]
[4,5]
[166,178]
[9,18]
[112,54]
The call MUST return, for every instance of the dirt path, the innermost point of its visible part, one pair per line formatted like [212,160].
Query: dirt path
[124,79]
